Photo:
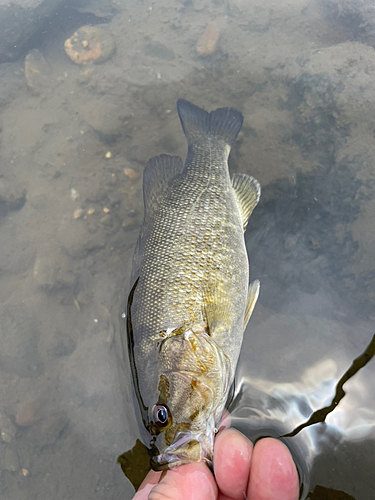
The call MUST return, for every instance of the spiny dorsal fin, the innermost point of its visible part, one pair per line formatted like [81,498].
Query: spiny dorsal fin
[247,191]
[158,173]
[223,123]
[252,297]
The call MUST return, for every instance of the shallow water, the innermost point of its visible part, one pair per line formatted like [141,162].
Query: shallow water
[73,143]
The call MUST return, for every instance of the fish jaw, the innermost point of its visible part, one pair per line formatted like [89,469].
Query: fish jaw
[188,447]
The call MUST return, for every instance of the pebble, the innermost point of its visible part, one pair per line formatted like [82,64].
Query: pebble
[106,210]
[90,211]
[90,44]
[206,45]
[29,414]
[78,213]
[108,155]
[74,194]
[132,174]
[7,428]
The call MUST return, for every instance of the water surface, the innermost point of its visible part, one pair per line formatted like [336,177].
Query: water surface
[73,143]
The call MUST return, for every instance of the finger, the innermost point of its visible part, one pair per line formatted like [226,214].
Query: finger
[148,483]
[232,457]
[273,473]
[188,482]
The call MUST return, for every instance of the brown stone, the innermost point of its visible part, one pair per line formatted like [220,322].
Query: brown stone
[207,43]
[90,44]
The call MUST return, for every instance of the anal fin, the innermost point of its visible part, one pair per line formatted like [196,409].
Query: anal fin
[252,297]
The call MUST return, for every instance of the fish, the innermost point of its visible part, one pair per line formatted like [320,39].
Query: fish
[190,298]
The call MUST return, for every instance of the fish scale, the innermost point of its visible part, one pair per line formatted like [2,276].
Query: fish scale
[166,278]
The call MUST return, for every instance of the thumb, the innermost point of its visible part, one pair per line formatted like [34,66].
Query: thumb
[193,481]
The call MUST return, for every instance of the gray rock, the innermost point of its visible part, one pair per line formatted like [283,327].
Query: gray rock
[49,429]
[19,20]
[104,118]
[99,8]
[52,270]
[37,72]
[77,239]
[159,50]
[63,346]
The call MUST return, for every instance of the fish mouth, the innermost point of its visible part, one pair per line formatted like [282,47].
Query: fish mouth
[187,448]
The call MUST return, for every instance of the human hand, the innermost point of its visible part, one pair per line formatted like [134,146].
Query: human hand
[263,472]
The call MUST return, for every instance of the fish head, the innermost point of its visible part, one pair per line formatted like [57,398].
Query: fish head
[193,387]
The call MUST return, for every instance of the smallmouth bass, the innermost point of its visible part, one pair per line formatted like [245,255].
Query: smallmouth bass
[190,298]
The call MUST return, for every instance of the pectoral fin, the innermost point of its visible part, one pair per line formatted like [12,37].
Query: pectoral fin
[252,297]
[247,191]
[217,310]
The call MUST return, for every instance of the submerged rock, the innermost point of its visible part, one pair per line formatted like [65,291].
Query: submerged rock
[19,20]
[52,270]
[90,44]
[37,72]
[29,413]
[206,45]
[104,118]
[98,8]
[12,194]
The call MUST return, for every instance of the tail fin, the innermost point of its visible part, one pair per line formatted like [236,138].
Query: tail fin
[224,123]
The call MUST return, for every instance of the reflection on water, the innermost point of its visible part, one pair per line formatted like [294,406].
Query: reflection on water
[363,426]
[73,142]
[261,405]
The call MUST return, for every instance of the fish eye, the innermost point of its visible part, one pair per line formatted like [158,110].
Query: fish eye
[160,415]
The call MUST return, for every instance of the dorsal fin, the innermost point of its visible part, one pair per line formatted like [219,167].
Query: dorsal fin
[158,173]
[223,123]
[247,191]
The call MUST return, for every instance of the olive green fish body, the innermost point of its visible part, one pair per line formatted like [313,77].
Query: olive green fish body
[189,300]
